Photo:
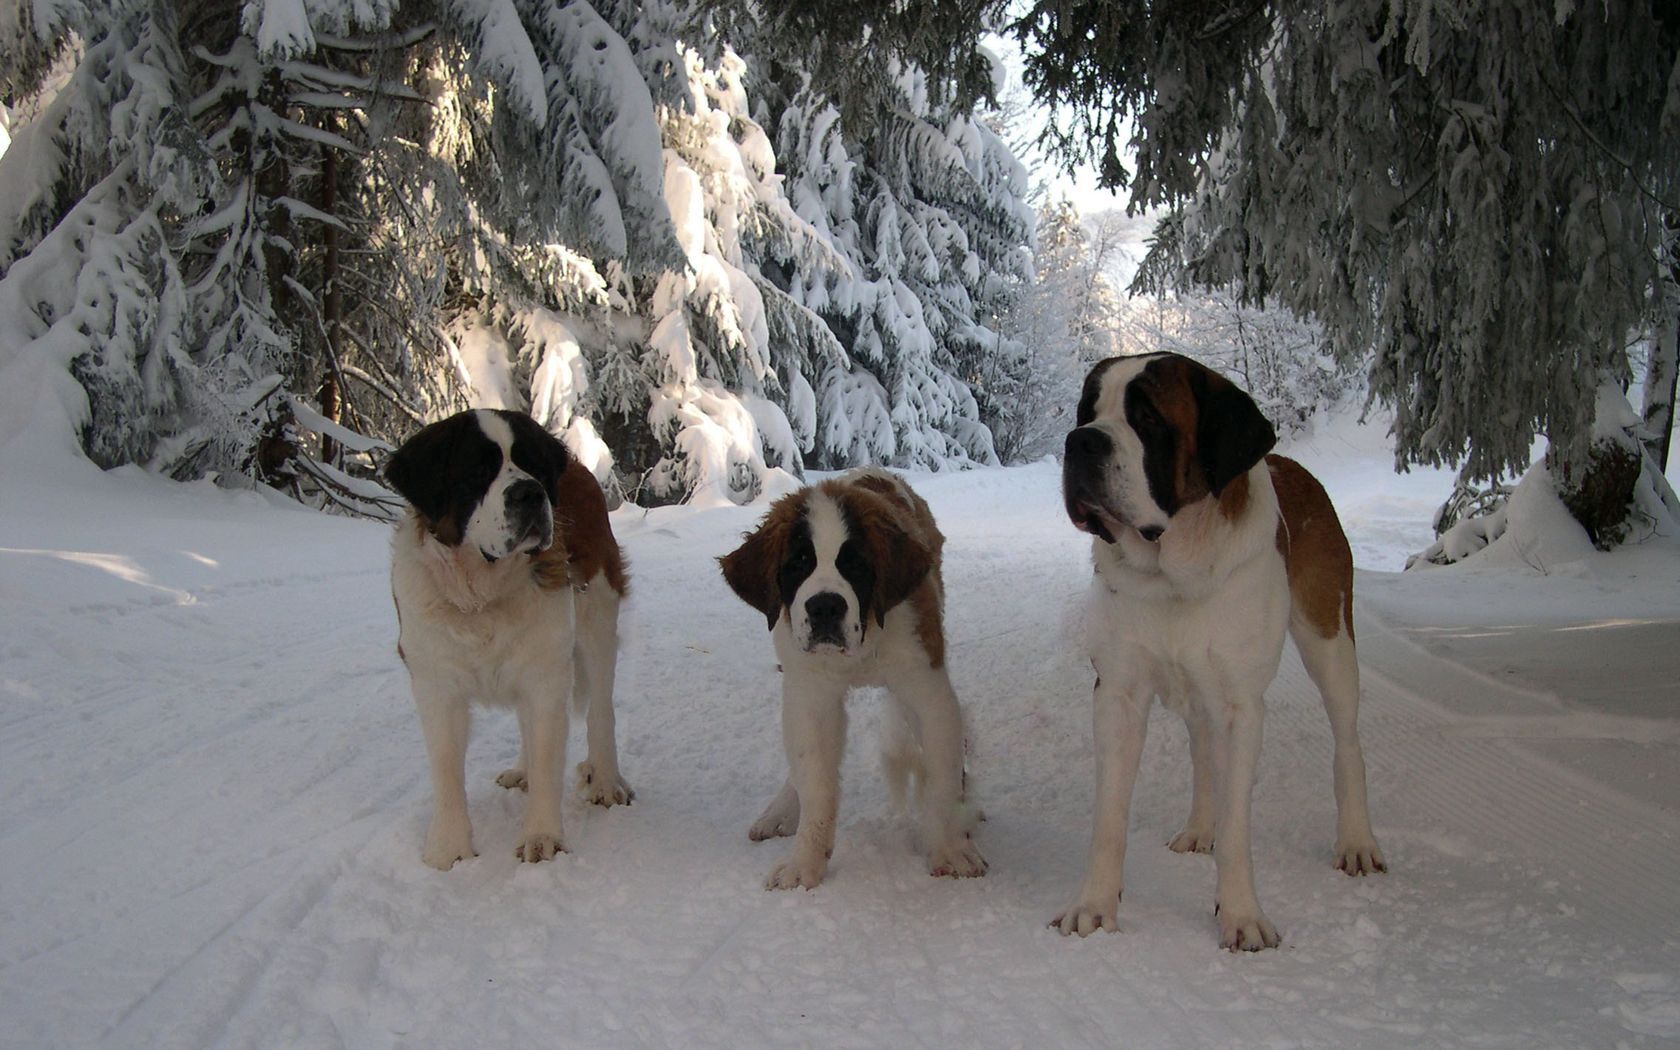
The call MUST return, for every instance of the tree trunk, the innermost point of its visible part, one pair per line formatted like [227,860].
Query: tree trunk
[1598,486]
[1660,372]
[332,304]
[1600,494]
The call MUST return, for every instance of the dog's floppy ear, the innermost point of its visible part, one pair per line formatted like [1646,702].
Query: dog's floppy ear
[900,560]
[536,451]
[418,469]
[1232,434]
[751,569]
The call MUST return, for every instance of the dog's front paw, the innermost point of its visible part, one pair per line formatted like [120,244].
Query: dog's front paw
[513,779]
[603,789]
[446,843]
[1192,840]
[1089,915]
[1246,931]
[797,870]
[957,860]
[1360,857]
[536,847]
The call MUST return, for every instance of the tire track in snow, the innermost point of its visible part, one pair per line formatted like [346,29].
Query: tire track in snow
[1500,793]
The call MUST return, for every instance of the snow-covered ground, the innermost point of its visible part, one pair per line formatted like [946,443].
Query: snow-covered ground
[212,795]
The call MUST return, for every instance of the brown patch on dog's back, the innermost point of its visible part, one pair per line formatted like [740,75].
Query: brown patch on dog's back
[584,546]
[1314,548]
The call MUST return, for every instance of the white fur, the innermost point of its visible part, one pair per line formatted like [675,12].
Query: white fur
[828,533]
[1126,487]
[479,631]
[1198,619]
[926,746]
[488,529]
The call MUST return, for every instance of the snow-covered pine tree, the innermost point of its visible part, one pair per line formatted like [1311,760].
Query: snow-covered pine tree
[281,102]
[1285,360]
[92,284]
[730,404]
[1471,191]
[1067,319]
[342,218]
[531,217]
[929,209]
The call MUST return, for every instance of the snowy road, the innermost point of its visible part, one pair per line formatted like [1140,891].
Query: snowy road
[212,794]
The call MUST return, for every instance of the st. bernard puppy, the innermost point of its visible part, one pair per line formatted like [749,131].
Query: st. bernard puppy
[847,576]
[507,582]
[1206,549]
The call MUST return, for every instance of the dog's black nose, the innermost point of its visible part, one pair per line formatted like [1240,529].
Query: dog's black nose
[1151,532]
[825,608]
[1088,443]
[525,495]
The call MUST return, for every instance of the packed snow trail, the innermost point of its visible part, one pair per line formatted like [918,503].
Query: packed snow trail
[213,792]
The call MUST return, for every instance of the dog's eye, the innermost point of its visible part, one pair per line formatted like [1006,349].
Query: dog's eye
[849,558]
[1144,415]
[802,557]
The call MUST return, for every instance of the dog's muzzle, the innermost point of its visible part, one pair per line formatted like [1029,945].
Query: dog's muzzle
[530,518]
[827,614]
[1083,463]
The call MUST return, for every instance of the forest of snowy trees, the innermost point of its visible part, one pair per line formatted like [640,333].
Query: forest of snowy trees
[715,242]
[269,238]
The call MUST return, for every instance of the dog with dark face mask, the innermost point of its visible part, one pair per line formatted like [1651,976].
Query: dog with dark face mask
[847,575]
[1207,550]
[507,582]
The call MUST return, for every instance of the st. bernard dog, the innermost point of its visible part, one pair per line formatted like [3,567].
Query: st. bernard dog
[507,582]
[847,576]
[1206,549]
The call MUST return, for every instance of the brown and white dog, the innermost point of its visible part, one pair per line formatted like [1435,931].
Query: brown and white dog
[507,583]
[1206,549]
[847,576]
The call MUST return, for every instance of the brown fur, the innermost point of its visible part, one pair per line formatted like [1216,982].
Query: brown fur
[1167,384]
[1233,499]
[751,568]
[905,548]
[1314,548]
[584,546]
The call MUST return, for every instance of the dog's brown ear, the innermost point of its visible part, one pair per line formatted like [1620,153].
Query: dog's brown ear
[901,560]
[1232,434]
[751,569]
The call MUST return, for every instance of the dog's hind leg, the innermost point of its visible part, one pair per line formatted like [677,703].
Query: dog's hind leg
[595,668]
[780,818]
[513,778]
[1333,665]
